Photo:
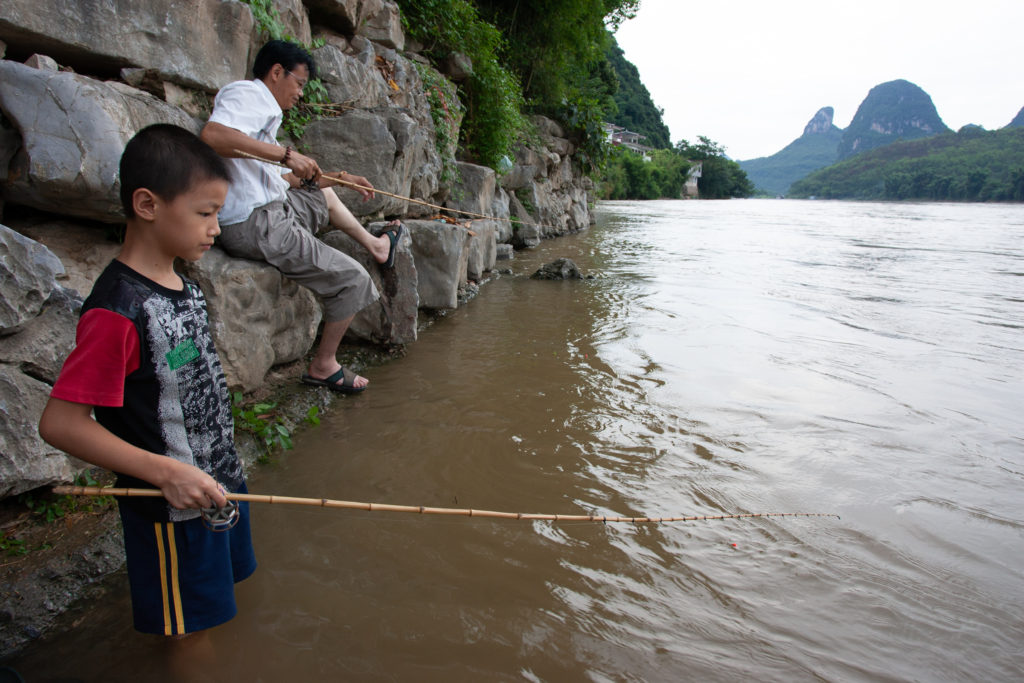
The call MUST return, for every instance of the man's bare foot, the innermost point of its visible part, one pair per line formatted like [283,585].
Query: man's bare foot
[381,248]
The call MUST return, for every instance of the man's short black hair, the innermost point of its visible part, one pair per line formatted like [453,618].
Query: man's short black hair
[287,54]
[168,161]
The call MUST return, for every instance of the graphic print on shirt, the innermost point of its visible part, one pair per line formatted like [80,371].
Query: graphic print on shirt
[193,405]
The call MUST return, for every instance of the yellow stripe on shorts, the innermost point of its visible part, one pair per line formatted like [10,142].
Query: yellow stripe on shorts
[169,587]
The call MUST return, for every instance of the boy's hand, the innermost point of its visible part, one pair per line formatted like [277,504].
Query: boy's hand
[187,486]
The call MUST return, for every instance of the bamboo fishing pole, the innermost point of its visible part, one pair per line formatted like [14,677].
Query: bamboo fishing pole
[357,186]
[423,510]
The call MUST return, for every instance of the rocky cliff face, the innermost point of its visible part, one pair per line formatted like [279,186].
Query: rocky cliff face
[821,122]
[891,111]
[78,79]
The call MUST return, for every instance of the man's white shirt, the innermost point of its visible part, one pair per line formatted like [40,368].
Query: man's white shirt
[249,107]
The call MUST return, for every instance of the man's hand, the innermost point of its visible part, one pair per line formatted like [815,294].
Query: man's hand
[365,188]
[303,167]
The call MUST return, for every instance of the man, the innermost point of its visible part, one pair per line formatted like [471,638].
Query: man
[273,217]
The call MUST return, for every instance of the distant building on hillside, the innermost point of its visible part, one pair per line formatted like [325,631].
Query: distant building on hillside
[690,186]
[619,136]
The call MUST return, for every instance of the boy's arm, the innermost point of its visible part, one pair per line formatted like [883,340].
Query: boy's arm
[70,427]
[228,142]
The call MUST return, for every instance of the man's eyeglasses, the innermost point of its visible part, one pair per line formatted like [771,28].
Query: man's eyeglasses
[301,81]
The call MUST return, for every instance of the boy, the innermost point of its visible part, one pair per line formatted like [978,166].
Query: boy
[271,217]
[145,363]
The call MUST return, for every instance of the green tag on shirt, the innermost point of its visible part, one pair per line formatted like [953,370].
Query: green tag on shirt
[183,353]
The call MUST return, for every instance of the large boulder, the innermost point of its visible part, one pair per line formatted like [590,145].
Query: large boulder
[258,317]
[28,273]
[73,131]
[40,346]
[500,211]
[392,318]
[84,250]
[483,249]
[441,252]
[526,233]
[385,27]
[474,192]
[388,149]
[26,461]
[350,81]
[346,16]
[203,44]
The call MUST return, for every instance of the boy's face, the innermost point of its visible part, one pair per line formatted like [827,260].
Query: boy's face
[187,225]
[286,86]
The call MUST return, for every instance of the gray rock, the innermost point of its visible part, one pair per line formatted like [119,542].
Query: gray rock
[343,15]
[458,67]
[560,269]
[348,80]
[73,130]
[42,62]
[389,150]
[28,273]
[475,190]
[202,44]
[525,231]
[258,317]
[385,26]
[500,211]
[295,20]
[441,252]
[392,318]
[504,252]
[40,346]
[83,250]
[483,249]
[26,461]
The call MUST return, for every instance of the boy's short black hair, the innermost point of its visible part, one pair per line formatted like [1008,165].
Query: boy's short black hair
[287,54]
[168,161]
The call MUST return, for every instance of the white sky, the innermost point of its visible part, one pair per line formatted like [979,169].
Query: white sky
[750,74]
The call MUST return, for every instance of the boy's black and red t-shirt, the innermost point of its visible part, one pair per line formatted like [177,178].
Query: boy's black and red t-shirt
[145,360]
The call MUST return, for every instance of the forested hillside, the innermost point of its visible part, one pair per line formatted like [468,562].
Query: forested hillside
[971,165]
[897,110]
[815,149]
[634,109]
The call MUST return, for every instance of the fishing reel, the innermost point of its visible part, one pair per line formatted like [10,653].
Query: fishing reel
[220,518]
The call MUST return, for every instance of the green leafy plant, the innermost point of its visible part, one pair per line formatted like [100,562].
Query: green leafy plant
[12,546]
[445,111]
[51,508]
[264,421]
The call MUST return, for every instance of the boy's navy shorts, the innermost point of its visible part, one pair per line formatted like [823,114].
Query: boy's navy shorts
[183,575]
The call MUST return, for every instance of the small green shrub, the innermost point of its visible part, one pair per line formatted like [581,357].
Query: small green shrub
[265,422]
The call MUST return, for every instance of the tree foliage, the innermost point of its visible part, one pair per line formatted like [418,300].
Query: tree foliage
[633,107]
[970,165]
[628,176]
[721,177]
[492,96]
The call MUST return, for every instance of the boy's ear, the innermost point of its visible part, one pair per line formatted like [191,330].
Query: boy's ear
[144,204]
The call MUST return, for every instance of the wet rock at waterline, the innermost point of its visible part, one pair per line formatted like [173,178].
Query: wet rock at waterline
[560,269]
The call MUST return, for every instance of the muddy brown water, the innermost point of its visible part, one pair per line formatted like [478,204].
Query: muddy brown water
[744,356]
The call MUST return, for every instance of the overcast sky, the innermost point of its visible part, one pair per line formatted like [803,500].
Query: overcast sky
[750,74]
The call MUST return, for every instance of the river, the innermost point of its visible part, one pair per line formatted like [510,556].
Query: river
[861,359]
